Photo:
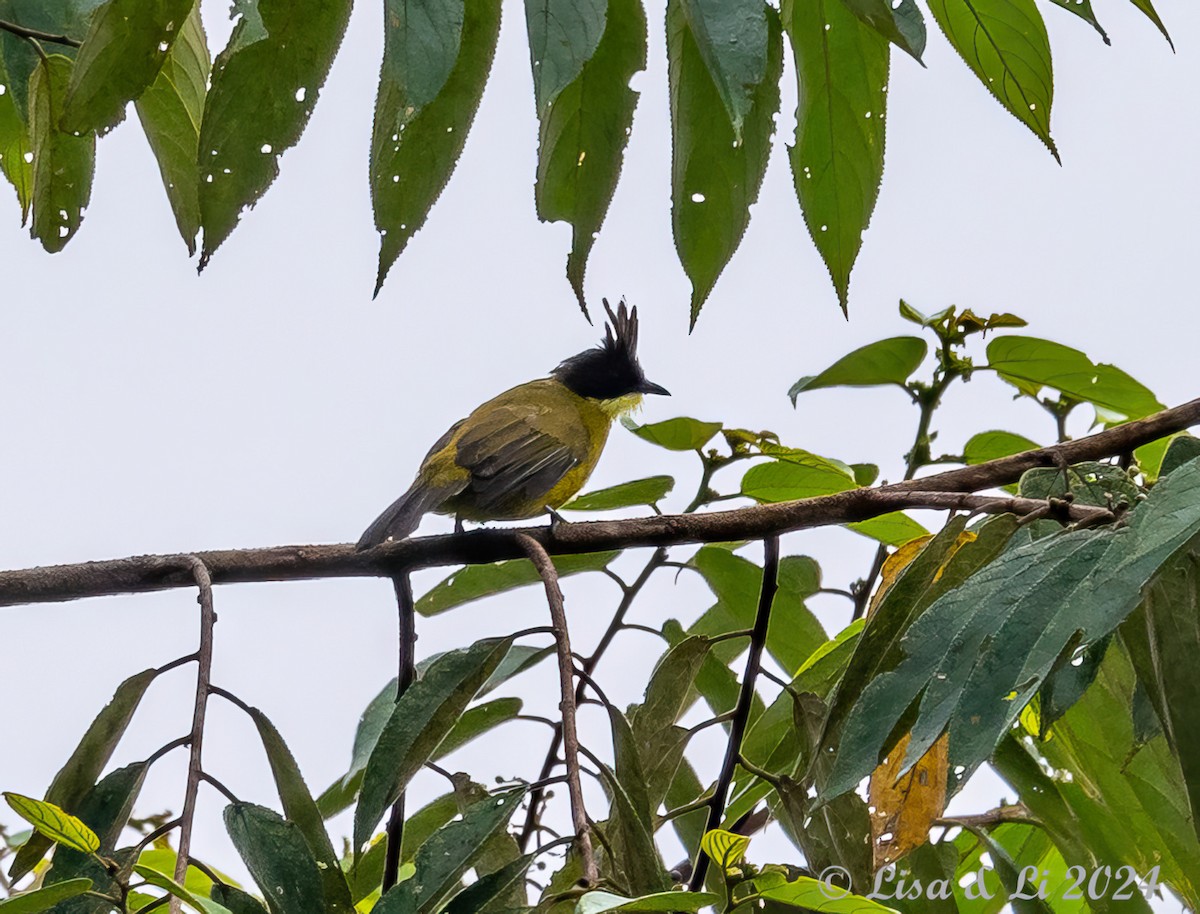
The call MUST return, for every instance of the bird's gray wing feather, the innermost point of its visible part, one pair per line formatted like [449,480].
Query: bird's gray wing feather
[512,461]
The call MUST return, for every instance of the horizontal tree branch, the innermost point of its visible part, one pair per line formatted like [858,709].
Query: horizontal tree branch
[943,491]
[37,34]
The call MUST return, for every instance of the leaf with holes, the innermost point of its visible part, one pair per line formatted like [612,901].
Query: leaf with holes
[905,806]
[732,37]
[422,117]
[16,155]
[563,37]
[63,164]
[1004,42]
[584,126]
[837,159]
[715,176]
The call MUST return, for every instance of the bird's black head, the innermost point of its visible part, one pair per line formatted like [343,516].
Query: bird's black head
[610,370]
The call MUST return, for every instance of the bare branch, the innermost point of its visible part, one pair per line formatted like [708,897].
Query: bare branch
[566,678]
[208,619]
[37,34]
[407,647]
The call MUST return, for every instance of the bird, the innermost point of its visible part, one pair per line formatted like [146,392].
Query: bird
[531,449]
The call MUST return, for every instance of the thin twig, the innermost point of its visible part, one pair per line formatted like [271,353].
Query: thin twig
[741,711]
[22,31]
[221,788]
[405,676]
[566,679]
[187,816]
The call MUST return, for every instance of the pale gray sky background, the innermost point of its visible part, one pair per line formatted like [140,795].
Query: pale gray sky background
[271,401]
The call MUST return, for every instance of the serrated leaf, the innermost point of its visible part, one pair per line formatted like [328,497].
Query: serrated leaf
[45,898]
[1004,42]
[300,809]
[972,660]
[16,155]
[890,361]
[277,856]
[170,111]
[1083,9]
[59,826]
[901,23]
[125,48]
[715,176]
[584,126]
[647,491]
[679,434]
[477,581]
[1146,8]
[63,164]
[837,159]
[69,17]
[77,777]
[264,87]
[420,720]
[419,133]
[732,37]
[563,37]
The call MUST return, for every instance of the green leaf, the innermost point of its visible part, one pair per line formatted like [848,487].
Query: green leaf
[813,895]
[1030,364]
[724,848]
[60,827]
[76,778]
[585,120]
[1146,7]
[16,151]
[69,17]
[647,491]
[630,828]
[985,446]
[493,886]
[837,159]
[170,111]
[419,722]
[278,858]
[716,174]
[477,581]
[1083,9]
[62,163]
[796,474]
[679,434]
[45,898]
[979,652]
[301,810]
[237,901]
[1005,869]
[563,36]
[449,852]
[732,38]
[1004,42]
[165,882]
[1099,484]
[893,529]
[889,361]
[366,877]
[121,56]
[520,657]
[1180,451]
[900,23]
[421,123]
[264,87]
[476,721]
[607,903]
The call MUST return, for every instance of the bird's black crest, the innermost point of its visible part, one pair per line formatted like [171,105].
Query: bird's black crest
[611,369]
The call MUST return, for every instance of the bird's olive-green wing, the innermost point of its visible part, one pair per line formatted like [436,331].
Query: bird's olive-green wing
[514,459]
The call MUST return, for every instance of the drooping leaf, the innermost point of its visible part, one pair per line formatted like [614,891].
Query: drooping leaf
[301,810]
[1146,8]
[125,48]
[715,174]
[237,901]
[1083,9]
[429,90]
[60,827]
[837,159]
[1030,364]
[418,723]
[900,23]
[598,902]
[60,17]
[448,853]
[76,778]
[1004,42]
[647,491]
[813,895]
[16,150]
[679,434]
[474,582]
[278,858]
[585,119]
[490,888]
[170,111]
[732,37]
[979,652]
[905,806]
[563,37]
[1181,450]
[630,827]
[45,898]
[264,88]
[1014,886]
[62,163]
[169,885]
[890,361]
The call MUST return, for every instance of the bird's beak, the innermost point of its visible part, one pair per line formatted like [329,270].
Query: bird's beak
[649,387]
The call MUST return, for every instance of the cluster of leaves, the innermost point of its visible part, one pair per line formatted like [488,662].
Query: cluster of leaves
[1056,656]
[218,128]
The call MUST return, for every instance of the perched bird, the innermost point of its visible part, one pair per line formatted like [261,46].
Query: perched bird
[529,450]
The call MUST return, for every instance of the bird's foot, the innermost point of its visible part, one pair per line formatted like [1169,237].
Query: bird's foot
[458,524]
[555,518]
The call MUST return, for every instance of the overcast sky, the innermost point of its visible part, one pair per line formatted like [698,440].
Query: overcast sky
[271,401]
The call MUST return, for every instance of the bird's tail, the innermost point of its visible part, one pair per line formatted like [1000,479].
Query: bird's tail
[404,514]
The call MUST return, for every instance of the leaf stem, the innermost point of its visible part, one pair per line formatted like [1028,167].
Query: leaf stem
[407,641]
